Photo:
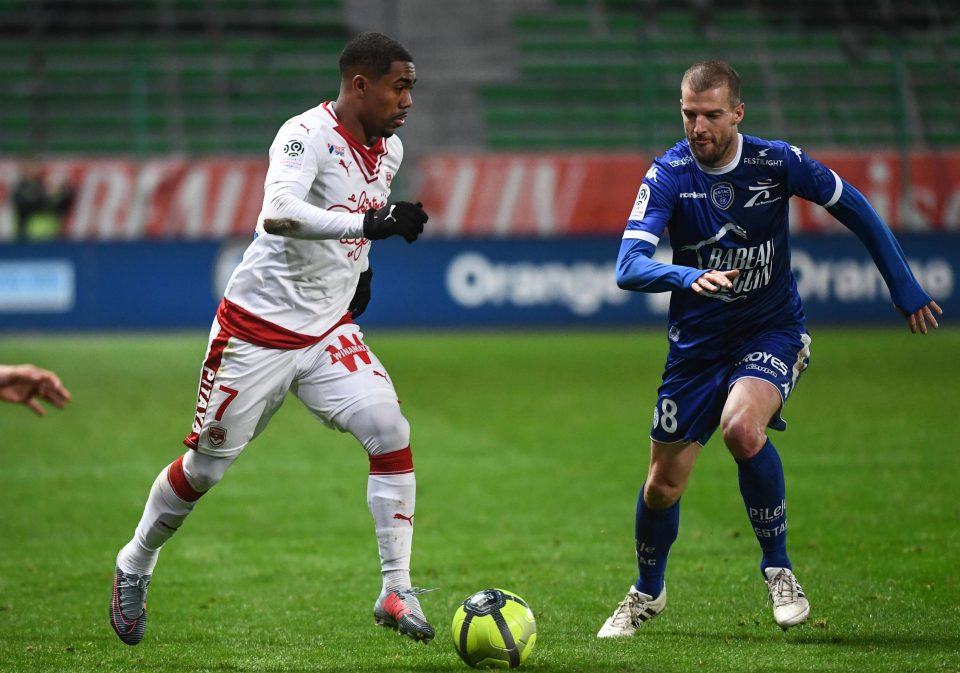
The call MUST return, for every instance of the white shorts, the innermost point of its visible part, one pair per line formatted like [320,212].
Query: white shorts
[242,386]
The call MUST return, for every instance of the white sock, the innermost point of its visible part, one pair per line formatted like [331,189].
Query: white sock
[392,501]
[163,514]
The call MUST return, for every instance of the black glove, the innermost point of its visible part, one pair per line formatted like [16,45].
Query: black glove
[362,296]
[401,219]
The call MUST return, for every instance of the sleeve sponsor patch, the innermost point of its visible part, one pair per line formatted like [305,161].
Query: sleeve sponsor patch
[640,206]
[291,155]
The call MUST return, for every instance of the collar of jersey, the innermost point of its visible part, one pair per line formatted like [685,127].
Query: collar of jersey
[369,156]
[726,168]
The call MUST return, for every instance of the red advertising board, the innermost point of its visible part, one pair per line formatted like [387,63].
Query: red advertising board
[467,195]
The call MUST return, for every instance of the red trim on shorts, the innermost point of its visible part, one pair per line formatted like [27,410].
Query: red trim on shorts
[208,373]
[240,323]
[395,462]
[178,482]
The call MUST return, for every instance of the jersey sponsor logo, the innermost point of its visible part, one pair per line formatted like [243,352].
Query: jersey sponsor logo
[203,396]
[763,152]
[676,163]
[721,194]
[767,359]
[755,264]
[756,161]
[640,206]
[356,246]
[693,195]
[338,150]
[762,190]
[348,352]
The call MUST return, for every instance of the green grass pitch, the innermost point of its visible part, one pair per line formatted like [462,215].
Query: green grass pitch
[529,450]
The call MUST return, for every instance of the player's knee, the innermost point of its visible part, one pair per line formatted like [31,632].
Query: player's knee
[660,493]
[742,436]
[380,428]
[202,471]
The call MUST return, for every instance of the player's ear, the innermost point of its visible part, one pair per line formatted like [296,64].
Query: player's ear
[359,84]
[738,112]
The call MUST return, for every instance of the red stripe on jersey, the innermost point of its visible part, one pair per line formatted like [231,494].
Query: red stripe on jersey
[395,462]
[368,158]
[179,484]
[211,365]
[240,323]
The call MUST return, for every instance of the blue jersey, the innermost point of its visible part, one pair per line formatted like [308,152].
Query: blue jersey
[737,217]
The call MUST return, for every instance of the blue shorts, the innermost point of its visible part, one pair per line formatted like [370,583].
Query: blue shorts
[691,397]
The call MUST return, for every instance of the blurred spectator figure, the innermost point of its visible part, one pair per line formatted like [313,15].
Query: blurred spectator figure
[39,206]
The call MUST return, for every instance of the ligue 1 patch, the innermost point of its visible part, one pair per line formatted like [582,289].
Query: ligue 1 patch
[722,195]
[217,435]
[293,153]
[640,207]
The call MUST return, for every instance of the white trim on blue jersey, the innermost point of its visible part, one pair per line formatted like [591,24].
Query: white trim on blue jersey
[641,235]
[837,192]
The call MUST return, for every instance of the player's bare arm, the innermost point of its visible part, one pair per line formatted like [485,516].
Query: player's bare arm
[714,281]
[917,321]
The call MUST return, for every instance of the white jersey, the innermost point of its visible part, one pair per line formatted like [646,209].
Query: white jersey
[320,174]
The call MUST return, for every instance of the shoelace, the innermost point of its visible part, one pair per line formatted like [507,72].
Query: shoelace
[784,588]
[626,612]
[132,592]
[413,605]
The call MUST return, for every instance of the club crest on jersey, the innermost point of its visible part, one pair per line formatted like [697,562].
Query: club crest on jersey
[722,195]
[217,435]
[338,150]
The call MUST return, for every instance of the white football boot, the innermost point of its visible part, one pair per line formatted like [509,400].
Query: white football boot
[790,605]
[633,611]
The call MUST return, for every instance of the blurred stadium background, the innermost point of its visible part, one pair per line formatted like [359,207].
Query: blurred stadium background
[533,124]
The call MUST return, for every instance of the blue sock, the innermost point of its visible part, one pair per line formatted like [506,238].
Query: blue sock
[764,494]
[655,532]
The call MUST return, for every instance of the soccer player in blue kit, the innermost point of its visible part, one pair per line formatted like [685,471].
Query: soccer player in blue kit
[737,333]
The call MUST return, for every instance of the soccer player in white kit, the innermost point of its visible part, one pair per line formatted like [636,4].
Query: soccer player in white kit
[285,324]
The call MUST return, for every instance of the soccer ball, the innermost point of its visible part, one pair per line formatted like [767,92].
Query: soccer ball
[494,628]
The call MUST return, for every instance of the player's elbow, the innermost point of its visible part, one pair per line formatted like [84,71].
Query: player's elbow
[280,226]
[626,278]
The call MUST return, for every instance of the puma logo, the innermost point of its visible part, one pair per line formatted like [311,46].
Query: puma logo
[376,373]
[346,166]
[306,127]
[398,515]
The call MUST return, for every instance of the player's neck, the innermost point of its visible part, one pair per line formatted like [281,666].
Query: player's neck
[350,122]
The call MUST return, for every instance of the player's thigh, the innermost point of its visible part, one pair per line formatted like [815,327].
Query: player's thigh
[341,375]
[775,361]
[241,387]
[689,401]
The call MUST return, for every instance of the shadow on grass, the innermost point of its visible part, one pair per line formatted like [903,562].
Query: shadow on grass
[819,637]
